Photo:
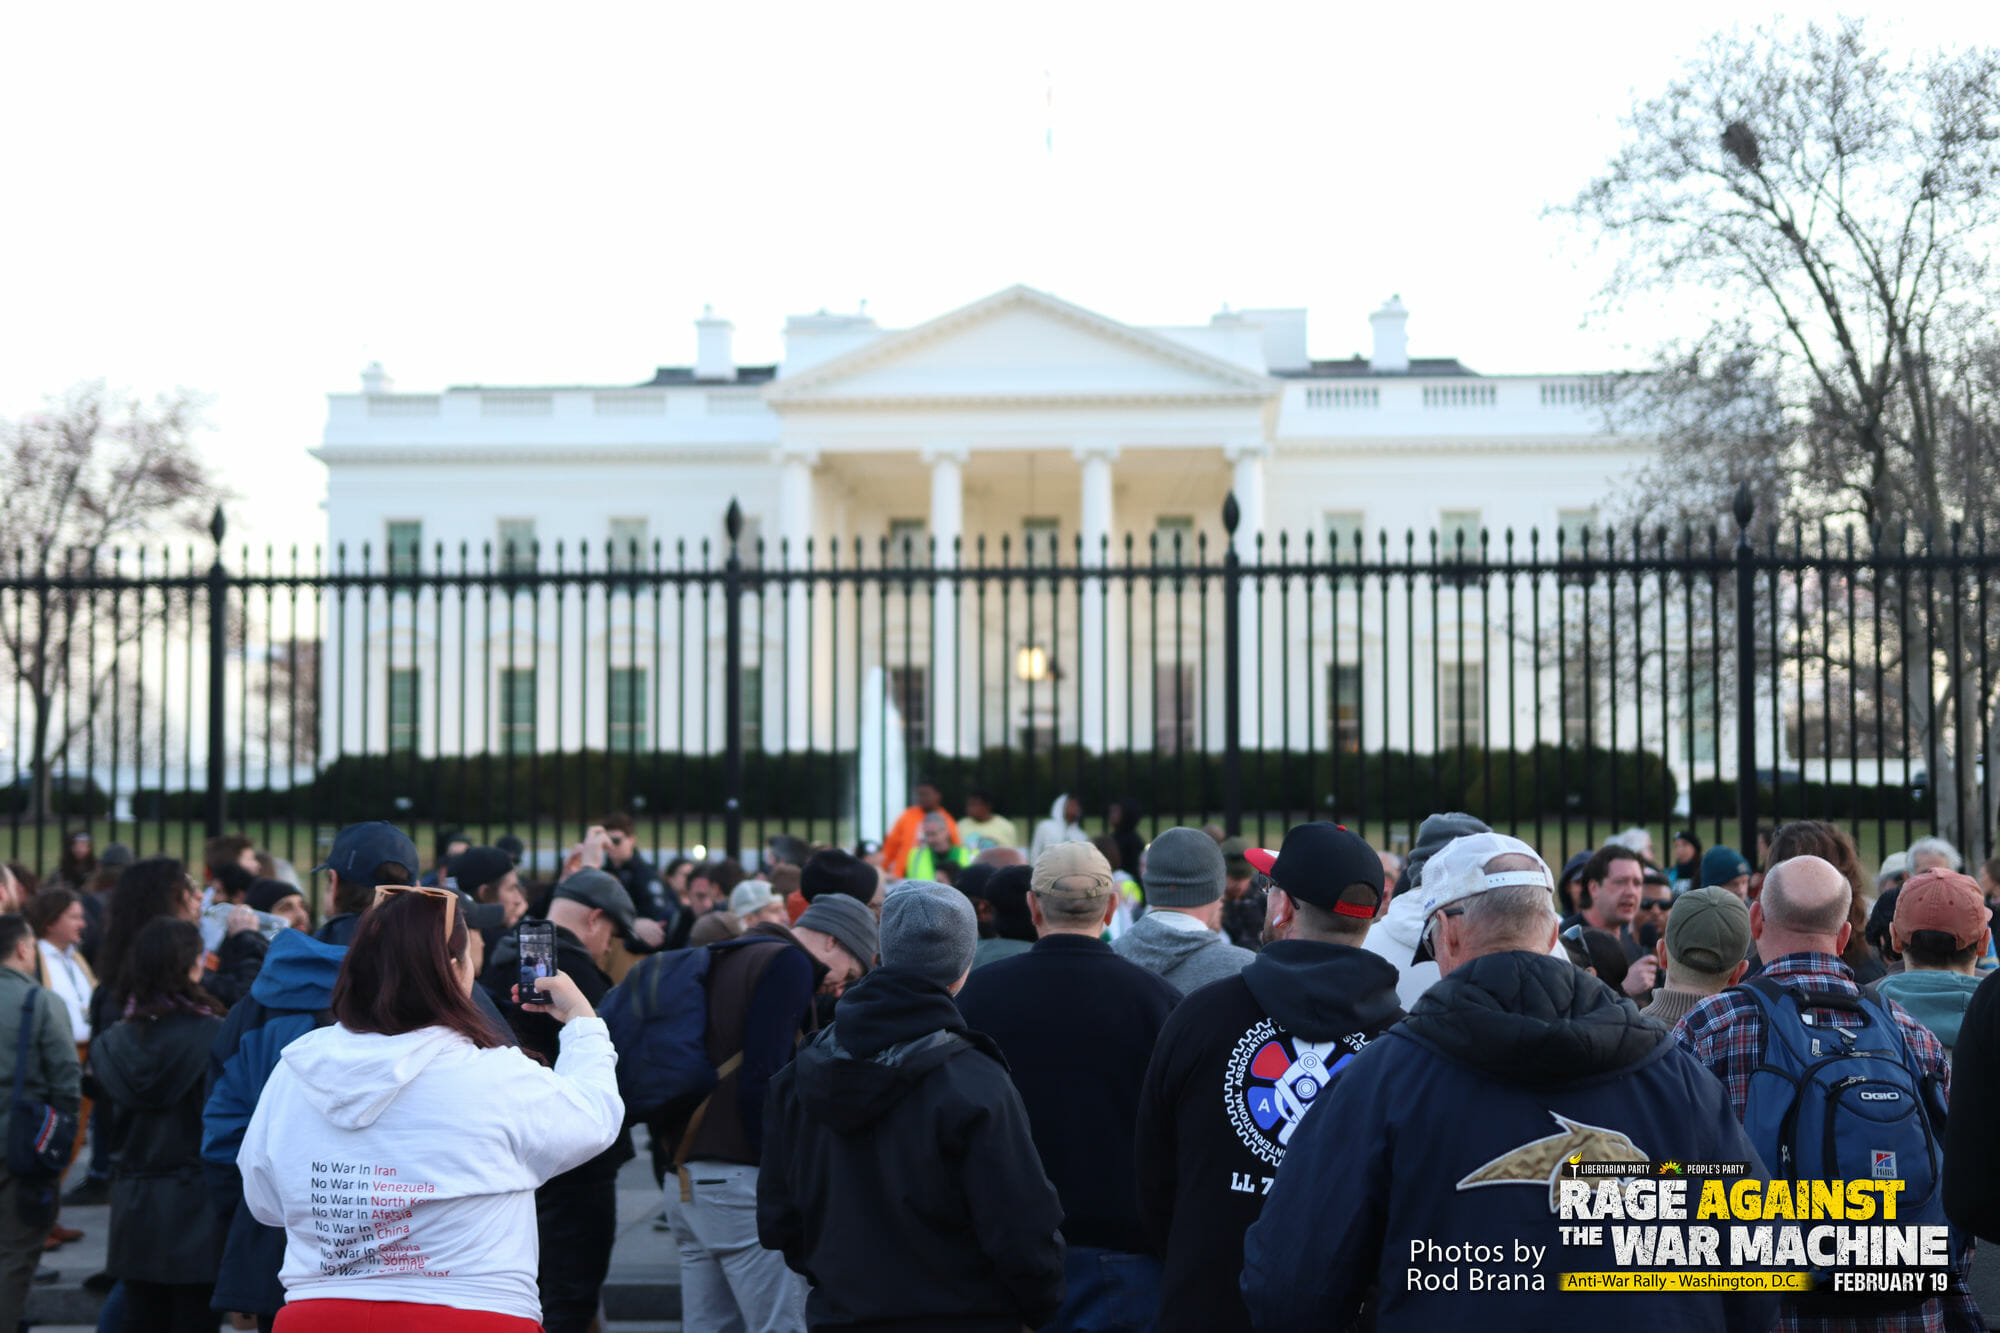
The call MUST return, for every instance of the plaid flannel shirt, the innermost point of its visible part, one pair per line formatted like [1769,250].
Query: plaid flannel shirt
[1725,1033]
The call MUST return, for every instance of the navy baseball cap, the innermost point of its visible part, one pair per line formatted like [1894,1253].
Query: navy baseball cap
[359,848]
[1326,865]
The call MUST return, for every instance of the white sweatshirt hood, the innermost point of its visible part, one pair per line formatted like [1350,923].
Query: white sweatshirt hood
[1396,936]
[404,1168]
[351,1078]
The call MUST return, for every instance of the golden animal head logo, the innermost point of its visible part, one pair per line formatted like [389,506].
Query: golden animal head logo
[1540,1161]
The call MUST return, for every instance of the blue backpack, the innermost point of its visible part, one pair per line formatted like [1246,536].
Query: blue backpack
[1845,1103]
[658,1020]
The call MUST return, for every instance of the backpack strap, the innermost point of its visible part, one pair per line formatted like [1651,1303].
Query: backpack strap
[1806,997]
[722,1071]
[25,1045]
[1927,1083]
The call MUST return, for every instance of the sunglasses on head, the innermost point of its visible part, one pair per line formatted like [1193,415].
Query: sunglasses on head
[384,892]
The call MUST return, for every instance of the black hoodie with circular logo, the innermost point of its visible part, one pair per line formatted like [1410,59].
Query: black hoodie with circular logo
[1237,1067]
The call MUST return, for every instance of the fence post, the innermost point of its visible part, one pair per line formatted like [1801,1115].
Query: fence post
[215,809]
[732,687]
[1232,677]
[1746,674]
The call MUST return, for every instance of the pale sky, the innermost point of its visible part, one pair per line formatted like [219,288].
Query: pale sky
[257,200]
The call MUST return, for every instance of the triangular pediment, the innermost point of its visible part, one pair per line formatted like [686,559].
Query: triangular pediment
[1020,345]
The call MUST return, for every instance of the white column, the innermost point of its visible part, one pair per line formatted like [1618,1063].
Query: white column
[795,524]
[1246,458]
[1096,459]
[947,464]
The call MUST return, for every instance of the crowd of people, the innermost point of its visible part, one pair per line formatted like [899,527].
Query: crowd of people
[961,1081]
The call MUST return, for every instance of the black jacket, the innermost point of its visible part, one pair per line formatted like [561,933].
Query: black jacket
[1077,1024]
[154,1070]
[237,963]
[1237,1067]
[1971,1149]
[650,894]
[900,1176]
[541,1034]
[1448,1130]
[338,930]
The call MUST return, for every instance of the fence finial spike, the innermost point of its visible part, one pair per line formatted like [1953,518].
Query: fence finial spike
[732,522]
[1744,505]
[1232,513]
[217,525]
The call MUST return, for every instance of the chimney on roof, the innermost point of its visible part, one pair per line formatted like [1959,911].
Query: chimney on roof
[375,381]
[714,354]
[1392,338]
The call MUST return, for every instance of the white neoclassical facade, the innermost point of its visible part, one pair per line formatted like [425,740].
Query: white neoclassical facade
[1018,415]
[1017,407]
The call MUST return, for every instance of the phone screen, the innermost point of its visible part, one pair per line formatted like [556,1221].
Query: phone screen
[537,940]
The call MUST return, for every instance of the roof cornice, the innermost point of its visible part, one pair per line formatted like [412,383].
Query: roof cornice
[799,389]
[482,452]
[911,403]
[1462,444]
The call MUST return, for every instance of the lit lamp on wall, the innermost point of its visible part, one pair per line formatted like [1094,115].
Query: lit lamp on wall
[1031,662]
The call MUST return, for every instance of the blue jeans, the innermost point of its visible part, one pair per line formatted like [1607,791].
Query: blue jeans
[111,1316]
[1109,1292]
[100,1146]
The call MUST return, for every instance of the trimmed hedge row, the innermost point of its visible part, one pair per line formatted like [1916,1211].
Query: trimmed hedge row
[1828,800]
[1496,784]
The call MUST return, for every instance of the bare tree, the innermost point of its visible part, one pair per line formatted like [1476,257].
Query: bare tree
[92,470]
[1838,206]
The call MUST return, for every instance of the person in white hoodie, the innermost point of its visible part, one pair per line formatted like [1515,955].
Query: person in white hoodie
[400,1148]
[1500,859]
[1400,930]
[1060,826]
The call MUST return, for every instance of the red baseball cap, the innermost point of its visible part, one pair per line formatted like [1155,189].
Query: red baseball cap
[1941,900]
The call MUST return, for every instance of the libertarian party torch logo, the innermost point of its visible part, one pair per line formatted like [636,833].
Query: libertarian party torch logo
[1274,1078]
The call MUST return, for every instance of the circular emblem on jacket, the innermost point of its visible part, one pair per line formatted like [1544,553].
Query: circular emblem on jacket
[1273,1079]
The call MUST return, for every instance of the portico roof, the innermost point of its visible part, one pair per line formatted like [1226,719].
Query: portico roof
[1021,347]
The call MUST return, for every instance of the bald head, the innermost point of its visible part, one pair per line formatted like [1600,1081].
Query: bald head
[1806,896]
[1000,856]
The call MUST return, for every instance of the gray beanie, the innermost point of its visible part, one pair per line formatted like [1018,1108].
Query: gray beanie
[1184,869]
[1432,835]
[847,920]
[930,930]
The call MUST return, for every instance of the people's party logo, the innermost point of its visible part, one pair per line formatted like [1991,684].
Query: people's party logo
[1274,1078]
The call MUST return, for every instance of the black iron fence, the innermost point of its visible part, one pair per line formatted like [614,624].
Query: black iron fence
[1561,685]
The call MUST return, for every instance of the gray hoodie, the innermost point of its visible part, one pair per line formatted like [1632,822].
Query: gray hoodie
[1187,960]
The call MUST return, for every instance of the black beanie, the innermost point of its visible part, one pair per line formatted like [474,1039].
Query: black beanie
[476,867]
[264,894]
[836,871]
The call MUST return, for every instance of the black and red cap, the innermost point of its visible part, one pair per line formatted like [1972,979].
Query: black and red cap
[1327,865]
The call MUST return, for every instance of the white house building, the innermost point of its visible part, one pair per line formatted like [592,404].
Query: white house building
[1018,416]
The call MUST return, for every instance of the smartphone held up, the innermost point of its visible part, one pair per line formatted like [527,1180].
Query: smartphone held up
[537,942]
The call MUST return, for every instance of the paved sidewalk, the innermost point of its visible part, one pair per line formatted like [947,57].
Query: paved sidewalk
[643,1291]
